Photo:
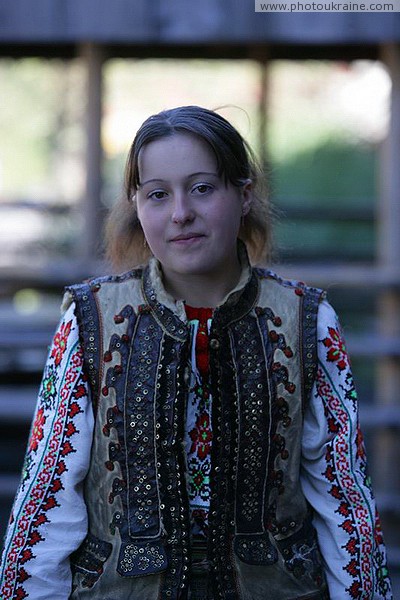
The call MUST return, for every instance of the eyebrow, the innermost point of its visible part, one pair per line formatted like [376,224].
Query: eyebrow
[188,177]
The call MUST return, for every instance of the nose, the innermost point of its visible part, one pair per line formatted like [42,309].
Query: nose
[182,210]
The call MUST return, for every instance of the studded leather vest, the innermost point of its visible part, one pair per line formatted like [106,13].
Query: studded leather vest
[262,361]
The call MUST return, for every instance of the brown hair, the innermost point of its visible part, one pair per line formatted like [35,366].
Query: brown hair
[125,242]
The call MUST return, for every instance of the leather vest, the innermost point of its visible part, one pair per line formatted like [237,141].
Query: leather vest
[262,365]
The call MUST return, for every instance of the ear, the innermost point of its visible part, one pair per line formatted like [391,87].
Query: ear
[247,196]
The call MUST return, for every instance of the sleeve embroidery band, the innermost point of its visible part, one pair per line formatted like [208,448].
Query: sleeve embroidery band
[335,475]
[48,518]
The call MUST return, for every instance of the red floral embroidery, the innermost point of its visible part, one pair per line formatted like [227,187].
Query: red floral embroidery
[355,590]
[337,350]
[329,474]
[67,449]
[61,468]
[352,546]
[70,430]
[74,409]
[348,526]
[344,509]
[60,342]
[51,503]
[35,538]
[20,594]
[22,575]
[332,425]
[80,391]
[201,436]
[37,430]
[57,486]
[25,556]
[40,520]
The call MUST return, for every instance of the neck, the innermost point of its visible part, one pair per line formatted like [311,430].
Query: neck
[202,290]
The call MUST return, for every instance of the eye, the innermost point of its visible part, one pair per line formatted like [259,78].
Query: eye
[202,188]
[157,195]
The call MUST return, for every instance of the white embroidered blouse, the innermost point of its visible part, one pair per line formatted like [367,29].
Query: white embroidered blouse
[49,520]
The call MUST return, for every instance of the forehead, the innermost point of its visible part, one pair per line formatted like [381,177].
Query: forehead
[176,155]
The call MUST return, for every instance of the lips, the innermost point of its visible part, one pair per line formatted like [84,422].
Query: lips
[185,237]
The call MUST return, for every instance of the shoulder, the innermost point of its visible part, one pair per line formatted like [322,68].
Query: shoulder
[327,315]
[95,283]
[82,293]
[270,279]
[329,325]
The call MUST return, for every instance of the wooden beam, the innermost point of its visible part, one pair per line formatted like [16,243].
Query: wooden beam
[263,113]
[228,50]
[388,375]
[93,58]
[389,207]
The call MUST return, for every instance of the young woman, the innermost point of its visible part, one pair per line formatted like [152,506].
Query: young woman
[196,434]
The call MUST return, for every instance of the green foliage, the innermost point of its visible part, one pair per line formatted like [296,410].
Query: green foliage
[332,173]
[333,177]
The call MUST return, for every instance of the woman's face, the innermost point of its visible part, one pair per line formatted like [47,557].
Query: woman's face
[189,216]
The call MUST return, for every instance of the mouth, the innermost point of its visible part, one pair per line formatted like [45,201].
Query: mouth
[186,238]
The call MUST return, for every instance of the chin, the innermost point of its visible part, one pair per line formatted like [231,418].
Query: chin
[190,269]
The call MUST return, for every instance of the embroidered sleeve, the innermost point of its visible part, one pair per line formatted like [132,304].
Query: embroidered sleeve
[49,519]
[335,478]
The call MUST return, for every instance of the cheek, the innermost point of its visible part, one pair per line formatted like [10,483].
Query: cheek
[228,223]
[139,211]
[152,223]
[144,214]
[229,210]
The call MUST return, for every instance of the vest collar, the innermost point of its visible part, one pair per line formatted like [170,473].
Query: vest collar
[170,313]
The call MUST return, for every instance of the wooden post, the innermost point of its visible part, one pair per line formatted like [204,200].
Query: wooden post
[387,445]
[93,57]
[263,114]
